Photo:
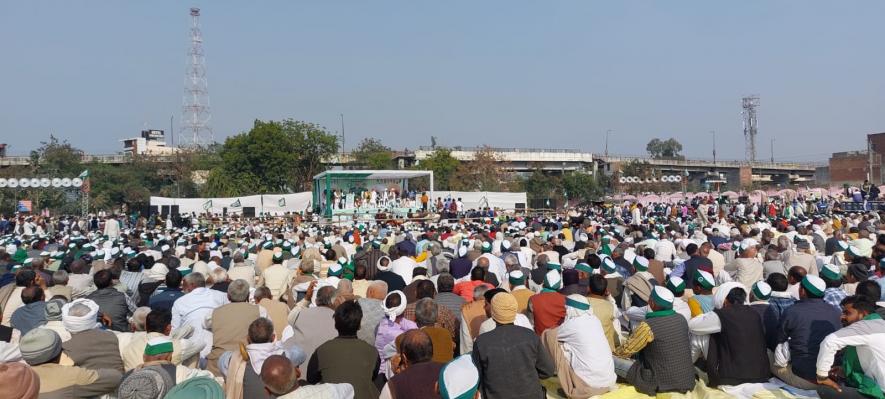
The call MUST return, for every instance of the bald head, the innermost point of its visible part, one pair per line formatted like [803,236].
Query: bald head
[416,347]
[377,290]
[279,375]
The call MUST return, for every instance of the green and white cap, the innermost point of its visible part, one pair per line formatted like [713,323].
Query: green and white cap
[553,266]
[843,246]
[486,247]
[158,346]
[335,270]
[516,277]
[705,279]
[579,302]
[584,267]
[814,285]
[676,285]
[553,280]
[640,263]
[831,272]
[608,265]
[662,297]
[761,290]
[854,251]
[459,379]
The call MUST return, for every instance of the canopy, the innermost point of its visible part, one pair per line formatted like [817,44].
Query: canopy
[374,174]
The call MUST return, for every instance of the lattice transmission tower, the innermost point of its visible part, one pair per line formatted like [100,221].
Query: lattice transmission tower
[195,115]
[748,115]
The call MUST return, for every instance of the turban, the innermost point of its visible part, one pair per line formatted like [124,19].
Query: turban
[504,308]
[146,383]
[383,268]
[19,381]
[814,286]
[157,272]
[459,378]
[723,291]
[39,346]
[77,324]
[639,286]
[196,388]
[393,313]
[576,306]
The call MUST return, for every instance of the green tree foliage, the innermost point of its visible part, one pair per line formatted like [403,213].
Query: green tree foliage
[372,154]
[580,187]
[664,149]
[443,165]
[273,157]
[538,185]
[56,158]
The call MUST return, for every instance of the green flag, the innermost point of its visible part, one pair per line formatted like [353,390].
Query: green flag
[236,204]
[281,202]
[84,174]
[207,205]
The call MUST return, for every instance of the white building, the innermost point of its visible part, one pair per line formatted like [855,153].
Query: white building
[151,142]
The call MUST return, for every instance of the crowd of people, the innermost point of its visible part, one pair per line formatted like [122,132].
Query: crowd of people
[665,298]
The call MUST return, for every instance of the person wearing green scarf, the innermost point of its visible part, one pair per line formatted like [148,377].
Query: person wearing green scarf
[862,374]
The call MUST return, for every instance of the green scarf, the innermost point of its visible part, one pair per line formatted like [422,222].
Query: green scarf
[548,290]
[854,375]
[659,313]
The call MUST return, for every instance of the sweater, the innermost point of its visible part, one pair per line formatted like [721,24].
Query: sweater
[346,360]
[511,363]
[737,354]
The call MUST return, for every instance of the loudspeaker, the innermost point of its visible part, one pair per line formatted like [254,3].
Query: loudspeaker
[173,210]
[520,206]
[248,211]
[164,210]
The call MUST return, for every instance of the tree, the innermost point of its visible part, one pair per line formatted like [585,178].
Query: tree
[580,186]
[314,145]
[443,165]
[539,186]
[371,153]
[483,173]
[272,157]
[664,149]
[56,157]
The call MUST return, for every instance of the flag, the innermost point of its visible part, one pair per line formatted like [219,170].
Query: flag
[207,205]
[86,187]
[84,174]
[236,204]
[281,202]
[24,206]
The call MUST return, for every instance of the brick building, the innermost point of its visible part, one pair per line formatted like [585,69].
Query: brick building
[853,167]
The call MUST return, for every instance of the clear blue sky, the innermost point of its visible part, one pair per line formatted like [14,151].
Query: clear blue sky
[506,73]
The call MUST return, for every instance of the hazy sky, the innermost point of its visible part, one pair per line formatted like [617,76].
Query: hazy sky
[553,74]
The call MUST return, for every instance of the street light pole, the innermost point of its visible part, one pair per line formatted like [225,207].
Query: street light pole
[713,132]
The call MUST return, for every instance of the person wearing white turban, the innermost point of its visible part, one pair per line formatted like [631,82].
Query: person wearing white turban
[580,351]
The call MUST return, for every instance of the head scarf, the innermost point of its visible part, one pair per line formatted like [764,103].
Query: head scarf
[77,324]
[39,346]
[722,292]
[459,378]
[196,388]
[576,306]
[19,381]
[504,308]
[393,313]
[383,268]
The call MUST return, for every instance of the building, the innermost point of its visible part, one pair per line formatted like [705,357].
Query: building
[853,167]
[2,150]
[151,142]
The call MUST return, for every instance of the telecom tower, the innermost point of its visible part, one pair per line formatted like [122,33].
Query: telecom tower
[195,113]
[750,127]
